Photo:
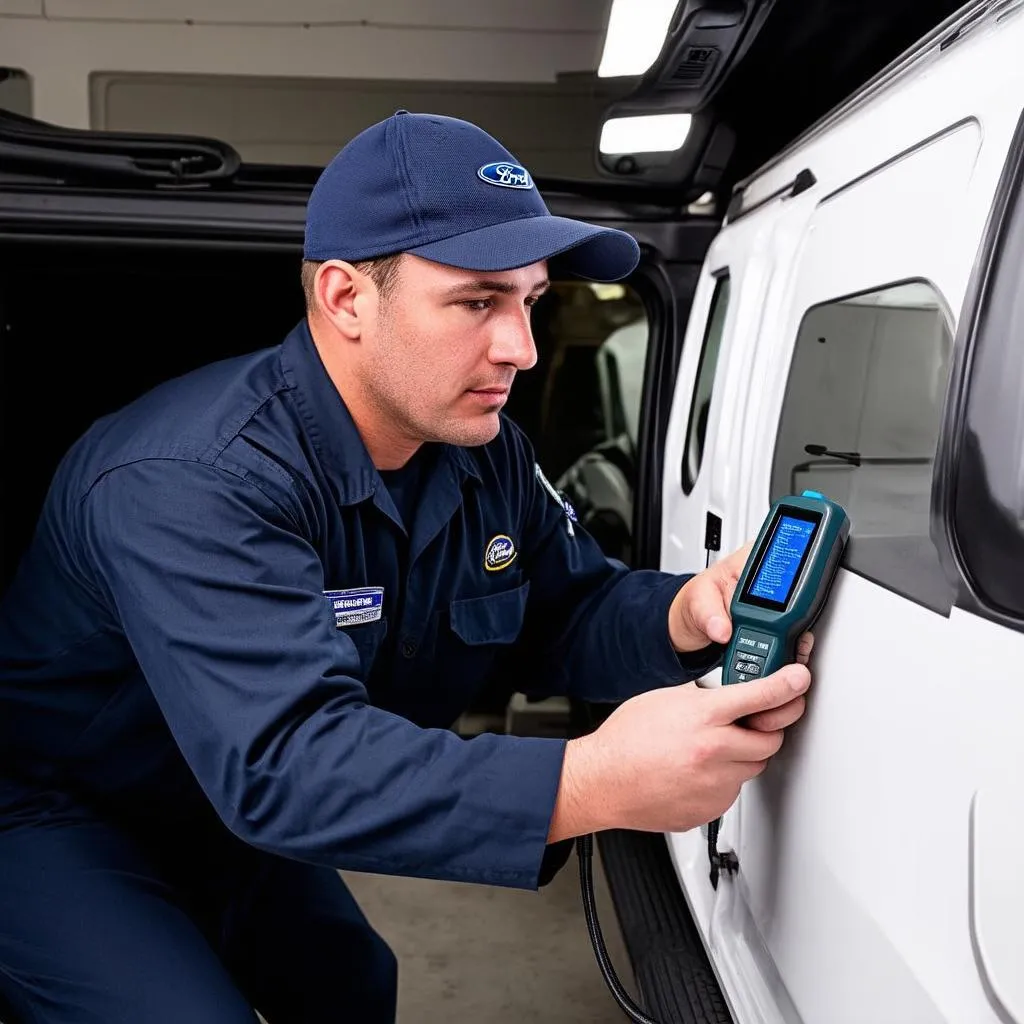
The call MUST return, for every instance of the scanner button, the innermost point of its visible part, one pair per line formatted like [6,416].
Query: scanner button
[746,641]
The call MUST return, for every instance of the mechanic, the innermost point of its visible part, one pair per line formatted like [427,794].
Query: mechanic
[259,596]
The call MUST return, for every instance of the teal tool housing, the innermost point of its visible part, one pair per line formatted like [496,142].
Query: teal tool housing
[784,584]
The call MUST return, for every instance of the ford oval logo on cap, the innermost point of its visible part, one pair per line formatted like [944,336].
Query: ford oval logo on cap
[505,173]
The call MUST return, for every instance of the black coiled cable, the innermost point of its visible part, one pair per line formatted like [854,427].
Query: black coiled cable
[585,853]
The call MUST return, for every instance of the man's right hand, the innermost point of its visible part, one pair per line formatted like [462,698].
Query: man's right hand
[671,759]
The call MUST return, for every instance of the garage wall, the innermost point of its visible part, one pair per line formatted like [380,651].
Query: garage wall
[62,43]
[550,128]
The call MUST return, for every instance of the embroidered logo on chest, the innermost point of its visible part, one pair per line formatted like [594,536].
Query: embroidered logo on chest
[499,553]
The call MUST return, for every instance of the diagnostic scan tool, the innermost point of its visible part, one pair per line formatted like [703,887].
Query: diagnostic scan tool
[784,584]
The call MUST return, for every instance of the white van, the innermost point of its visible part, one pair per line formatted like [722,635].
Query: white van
[859,330]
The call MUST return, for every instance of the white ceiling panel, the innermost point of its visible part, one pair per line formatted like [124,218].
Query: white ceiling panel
[550,128]
[21,7]
[523,16]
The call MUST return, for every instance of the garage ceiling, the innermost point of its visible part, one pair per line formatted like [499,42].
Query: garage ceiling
[805,59]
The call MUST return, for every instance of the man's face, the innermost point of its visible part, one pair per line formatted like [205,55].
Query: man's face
[442,349]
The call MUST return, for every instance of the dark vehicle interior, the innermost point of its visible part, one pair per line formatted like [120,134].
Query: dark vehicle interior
[90,325]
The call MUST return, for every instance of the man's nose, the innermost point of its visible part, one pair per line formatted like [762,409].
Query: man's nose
[512,342]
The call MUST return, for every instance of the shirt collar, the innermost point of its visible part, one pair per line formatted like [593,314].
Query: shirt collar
[330,427]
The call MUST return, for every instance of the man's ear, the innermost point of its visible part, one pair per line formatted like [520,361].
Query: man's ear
[339,287]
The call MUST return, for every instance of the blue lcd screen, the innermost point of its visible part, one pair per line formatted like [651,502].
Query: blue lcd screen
[782,561]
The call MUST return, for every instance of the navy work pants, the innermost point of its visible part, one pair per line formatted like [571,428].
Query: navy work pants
[105,923]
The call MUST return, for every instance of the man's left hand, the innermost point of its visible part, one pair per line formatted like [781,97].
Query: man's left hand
[699,613]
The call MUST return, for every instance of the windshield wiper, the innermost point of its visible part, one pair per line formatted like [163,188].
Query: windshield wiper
[28,145]
[853,458]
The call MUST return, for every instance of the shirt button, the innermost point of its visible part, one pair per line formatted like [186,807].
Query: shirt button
[408,647]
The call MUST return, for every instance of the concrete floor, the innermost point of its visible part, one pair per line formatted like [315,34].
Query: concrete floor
[492,955]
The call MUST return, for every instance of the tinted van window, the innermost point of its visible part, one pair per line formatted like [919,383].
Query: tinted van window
[867,385]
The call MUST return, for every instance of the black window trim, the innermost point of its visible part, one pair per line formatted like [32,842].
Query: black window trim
[721,276]
[661,286]
[661,362]
[947,525]
[943,603]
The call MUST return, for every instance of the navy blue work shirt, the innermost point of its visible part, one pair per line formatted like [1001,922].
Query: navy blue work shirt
[177,621]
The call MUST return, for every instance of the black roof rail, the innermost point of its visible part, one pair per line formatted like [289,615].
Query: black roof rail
[804,180]
[281,177]
[31,146]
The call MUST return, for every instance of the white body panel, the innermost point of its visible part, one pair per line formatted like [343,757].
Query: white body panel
[879,854]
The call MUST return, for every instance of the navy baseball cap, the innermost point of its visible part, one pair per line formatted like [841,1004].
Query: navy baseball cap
[444,189]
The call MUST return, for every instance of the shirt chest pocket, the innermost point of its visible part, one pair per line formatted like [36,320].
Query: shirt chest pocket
[480,629]
[492,619]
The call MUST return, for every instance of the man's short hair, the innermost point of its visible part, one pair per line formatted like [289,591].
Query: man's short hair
[383,272]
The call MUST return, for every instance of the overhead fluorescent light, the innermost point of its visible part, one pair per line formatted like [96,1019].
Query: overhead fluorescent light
[636,33]
[647,133]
